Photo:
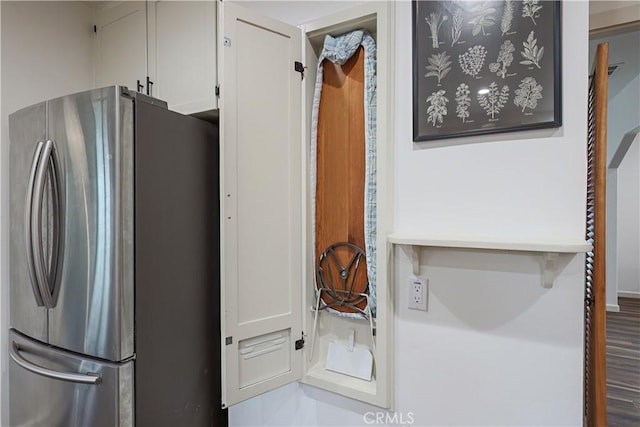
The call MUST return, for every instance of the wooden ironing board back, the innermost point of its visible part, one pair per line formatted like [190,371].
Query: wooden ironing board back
[341,164]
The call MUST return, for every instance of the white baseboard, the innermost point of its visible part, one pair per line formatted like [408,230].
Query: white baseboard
[625,294]
[613,307]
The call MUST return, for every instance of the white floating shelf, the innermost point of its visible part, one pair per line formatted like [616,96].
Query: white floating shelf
[549,250]
[559,247]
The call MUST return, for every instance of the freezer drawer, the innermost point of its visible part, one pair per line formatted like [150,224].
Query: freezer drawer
[51,387]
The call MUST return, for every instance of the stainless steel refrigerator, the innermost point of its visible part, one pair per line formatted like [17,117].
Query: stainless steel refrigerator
[114,282]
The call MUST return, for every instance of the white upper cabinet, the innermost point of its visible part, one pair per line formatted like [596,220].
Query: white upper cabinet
[121,45]
[182,54]
[168,47]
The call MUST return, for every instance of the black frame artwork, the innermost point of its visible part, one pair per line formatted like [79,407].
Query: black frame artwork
[482,67]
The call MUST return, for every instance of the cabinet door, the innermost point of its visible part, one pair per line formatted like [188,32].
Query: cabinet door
[121,45]
[261,202]
[182,54]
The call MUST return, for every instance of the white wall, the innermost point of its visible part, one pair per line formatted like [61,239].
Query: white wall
[629,222]
[624,86]
[495,348]
[611,279]
[46,52]
[623,116]
[624,109]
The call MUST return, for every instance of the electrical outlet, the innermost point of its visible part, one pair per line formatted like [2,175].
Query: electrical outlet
[418,292]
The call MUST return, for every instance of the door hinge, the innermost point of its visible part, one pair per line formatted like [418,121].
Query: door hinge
[218,91]
[297,66]
[228,340]
[300,342]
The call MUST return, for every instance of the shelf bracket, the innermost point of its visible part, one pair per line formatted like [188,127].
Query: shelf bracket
[415,260]
[549,268]
[413,253]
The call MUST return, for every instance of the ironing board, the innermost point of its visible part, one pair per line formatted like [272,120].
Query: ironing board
[343,179]
[340,174]
[343,165]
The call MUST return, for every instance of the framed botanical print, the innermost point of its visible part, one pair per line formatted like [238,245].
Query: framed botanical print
[483,67]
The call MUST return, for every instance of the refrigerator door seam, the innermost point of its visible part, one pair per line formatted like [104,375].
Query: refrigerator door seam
[57,192]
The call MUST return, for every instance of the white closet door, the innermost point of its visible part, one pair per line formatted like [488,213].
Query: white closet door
[260,117]
[122,45]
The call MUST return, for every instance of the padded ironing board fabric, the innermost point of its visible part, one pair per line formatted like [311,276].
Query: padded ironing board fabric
[343,156]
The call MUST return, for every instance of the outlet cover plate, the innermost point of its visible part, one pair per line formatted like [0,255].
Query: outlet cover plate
[418,293]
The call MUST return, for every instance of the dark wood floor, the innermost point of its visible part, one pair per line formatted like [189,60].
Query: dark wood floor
[623,364]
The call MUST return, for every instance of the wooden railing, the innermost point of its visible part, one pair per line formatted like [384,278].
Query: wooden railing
[595,387]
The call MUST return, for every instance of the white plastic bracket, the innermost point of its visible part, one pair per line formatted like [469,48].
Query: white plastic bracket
[549,268]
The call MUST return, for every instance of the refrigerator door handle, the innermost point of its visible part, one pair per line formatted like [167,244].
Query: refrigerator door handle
[36,226]
[57,190]
[28,222]
[88,378]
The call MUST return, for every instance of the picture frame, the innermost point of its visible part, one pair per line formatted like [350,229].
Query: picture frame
[483,67]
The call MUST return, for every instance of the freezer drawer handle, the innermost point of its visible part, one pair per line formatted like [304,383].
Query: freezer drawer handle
[89,378]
